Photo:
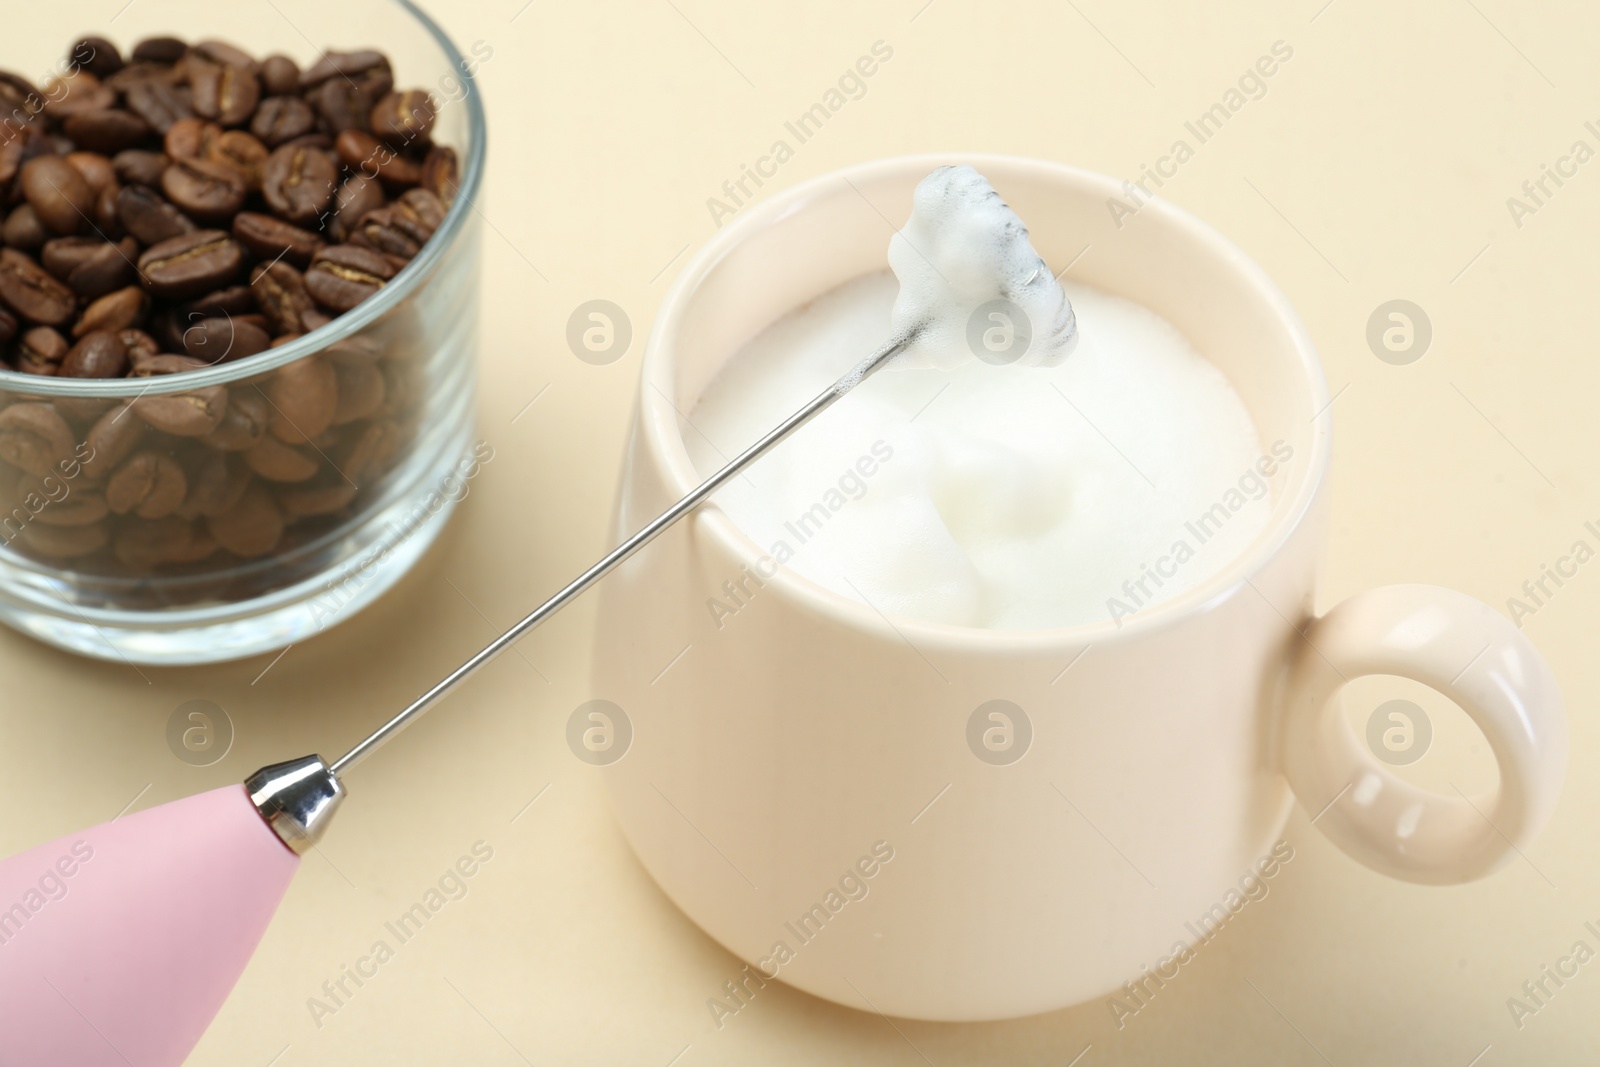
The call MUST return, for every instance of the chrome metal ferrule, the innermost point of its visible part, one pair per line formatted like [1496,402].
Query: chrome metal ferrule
[297,799]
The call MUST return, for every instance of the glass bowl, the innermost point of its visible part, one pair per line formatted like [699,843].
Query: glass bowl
[324,524]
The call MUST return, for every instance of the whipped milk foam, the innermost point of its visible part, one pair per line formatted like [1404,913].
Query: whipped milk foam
[1041,493]
[964,253]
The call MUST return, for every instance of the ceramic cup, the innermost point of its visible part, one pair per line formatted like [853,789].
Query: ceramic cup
[957,824]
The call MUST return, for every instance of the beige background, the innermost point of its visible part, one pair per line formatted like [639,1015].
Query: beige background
[1376,167]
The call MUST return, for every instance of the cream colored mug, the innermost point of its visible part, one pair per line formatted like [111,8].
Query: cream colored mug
[957,824]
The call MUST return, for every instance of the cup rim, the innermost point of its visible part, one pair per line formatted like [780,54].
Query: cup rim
[352,322]
[660,433]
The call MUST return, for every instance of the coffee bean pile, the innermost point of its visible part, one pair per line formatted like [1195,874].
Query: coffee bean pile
[186,206]
[193,201]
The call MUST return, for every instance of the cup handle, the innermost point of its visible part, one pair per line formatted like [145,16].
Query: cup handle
[1465,650]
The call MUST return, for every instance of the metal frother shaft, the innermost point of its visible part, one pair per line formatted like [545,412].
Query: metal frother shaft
[298,798]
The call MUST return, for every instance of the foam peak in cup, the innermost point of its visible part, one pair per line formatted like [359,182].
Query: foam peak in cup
[1009,493]
[971,283]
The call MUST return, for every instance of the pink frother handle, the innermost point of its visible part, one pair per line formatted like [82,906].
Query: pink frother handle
[119,944]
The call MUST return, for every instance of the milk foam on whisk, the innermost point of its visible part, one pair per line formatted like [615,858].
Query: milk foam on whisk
[964,254]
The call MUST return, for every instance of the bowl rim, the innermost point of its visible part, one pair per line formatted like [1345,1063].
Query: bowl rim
[662,436]
[344,326]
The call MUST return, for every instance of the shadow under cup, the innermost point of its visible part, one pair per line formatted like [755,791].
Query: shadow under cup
[806,782]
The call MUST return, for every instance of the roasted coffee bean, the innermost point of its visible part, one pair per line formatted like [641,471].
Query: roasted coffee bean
[112,439]
[135,71]
[138,166]
[146,543]
[96,55]
[80,507]
[252,527]
[342,276]
[205,191]
[159,101]
[106,218]
[242,152]
[235,300]
[358,195]
[149,484]
[361,392]
[23,229]
[109,269]
[43,344]
[243,424]
[34,438]
[63,542]
[218,484]
[91,267]
[298,183]
[278,462]
[76,92]
[365,154]
[58,192]
[280,75]
[382,231]
[440,173]
[223,340]
[404,118]
[222,91]
[273,239]
[229,55]
[96,169]
[425,208]
[98,354]
[161,364]
[300,501]
[8,327]
[192,414]
[190,138]
[41,350]
[61,254]
[200,546]
[403,227]
[343,104]
[376,83]
[22,143]
[81,412]
[304,396]
[280,292]
[148,217]
[30,291]
[141,346]
[282,118]
[187,266]
[368,453]
[13,153]
[27,365]
[160,50]
[116,311]
[344,64]
[19,98]
[110,130]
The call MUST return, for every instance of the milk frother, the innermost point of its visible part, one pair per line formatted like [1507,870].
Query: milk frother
[119,944]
